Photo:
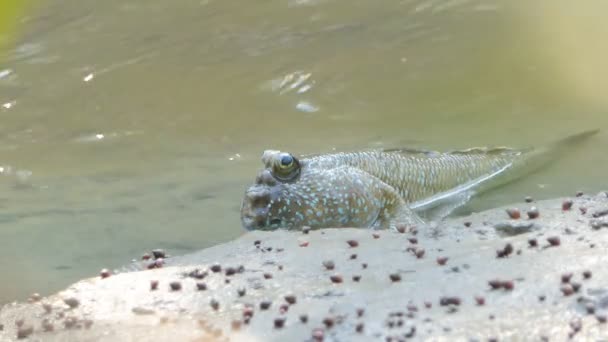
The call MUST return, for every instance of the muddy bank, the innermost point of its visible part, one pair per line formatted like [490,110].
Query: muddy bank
[480,277]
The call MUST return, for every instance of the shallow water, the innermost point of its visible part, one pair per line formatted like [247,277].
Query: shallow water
[131,125]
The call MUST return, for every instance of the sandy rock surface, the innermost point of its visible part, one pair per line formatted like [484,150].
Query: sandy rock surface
[480,277]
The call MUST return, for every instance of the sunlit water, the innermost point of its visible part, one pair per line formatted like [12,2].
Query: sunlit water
[131,125]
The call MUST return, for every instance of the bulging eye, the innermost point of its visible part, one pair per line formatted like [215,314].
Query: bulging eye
[286,167]
[286,161]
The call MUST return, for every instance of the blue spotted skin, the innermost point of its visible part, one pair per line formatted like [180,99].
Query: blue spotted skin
[378,189]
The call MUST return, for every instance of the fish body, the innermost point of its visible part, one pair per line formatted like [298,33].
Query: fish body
[378,189]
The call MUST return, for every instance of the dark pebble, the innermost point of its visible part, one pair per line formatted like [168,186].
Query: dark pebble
[356,278]
[328,322]
[318,335]
[153,285]
[267,276]
[506,251]
[579,193]
[352,243]
[72,302]
[279,322]
[201,286]
[528,199]
[216,268]
[428,305]
[533,213]
[283,308]
[257,242]
[401,229]
[241,292]
[376,236]
[24,332]
[582,210]
[304,318]
[215,305]
[480,300]
[566,277]
[305,229]
[280,267]
[413,240]
[359,328]
[576,286]
[567,205]
[567,289]
[495,283]
[197,274]
[442,260]
[364,265]
[554,240]
[444,301]
[175,285]
[230,271]
[601,318]
[158,253]
[353,256]
[104,273]
[508,285]
[265,305]
[532,242]
[248,312]
[587,274]
[419,253]
[336,279]
[513,213]
[590,307]
[600,213]
[329,265]
[360,312]
[395,277]
[291,299]
[467,224]
[541,298]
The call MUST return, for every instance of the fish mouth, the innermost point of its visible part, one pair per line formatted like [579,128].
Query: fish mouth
[255,208]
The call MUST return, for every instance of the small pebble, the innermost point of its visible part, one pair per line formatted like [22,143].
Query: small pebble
[304,318]
[401,229]
[601,318]
[508,285]
[413,240]
[587,274]
[444,301]
[353,256]
[104,273]
[376,236]
[230,271]
[579,193]
[428,305]
[318,335]
[506,251]
[201,286]
[467,224]
[336,279]
[153,285]
[541,298]
[265,305]
[71,302]
[554,240]
[329,265]
[480,300]
[328,322]
[24,332]
[566,277]
[214,304]
[279,322]
[215,268]
[419,253]
[158,253]
[304,244]
[576,286]
[582,210]
[360,312]
[267,276]
[590,307]
[352,243]
[395,277]
[356,278]
[305,229]
[283,308]
[567,205]
[513,213]
[567,289]
[364,265]
[291,299]
[175,285]
[359,328]
[257,242]
[528,199]
[532,242]
[533,213]
[241,292]
[442,260]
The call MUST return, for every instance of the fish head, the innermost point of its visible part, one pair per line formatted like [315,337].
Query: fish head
[266,200]
[292,193]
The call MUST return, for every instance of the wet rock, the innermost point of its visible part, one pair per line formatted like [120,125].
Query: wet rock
[513,213]
[511,228]
[533,213]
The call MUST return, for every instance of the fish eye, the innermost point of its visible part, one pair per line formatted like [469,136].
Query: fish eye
[286,167]
[286,161]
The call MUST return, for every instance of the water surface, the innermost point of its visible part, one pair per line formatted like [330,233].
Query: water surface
[131,125]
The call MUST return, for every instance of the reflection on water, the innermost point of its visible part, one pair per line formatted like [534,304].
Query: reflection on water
[127,126]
